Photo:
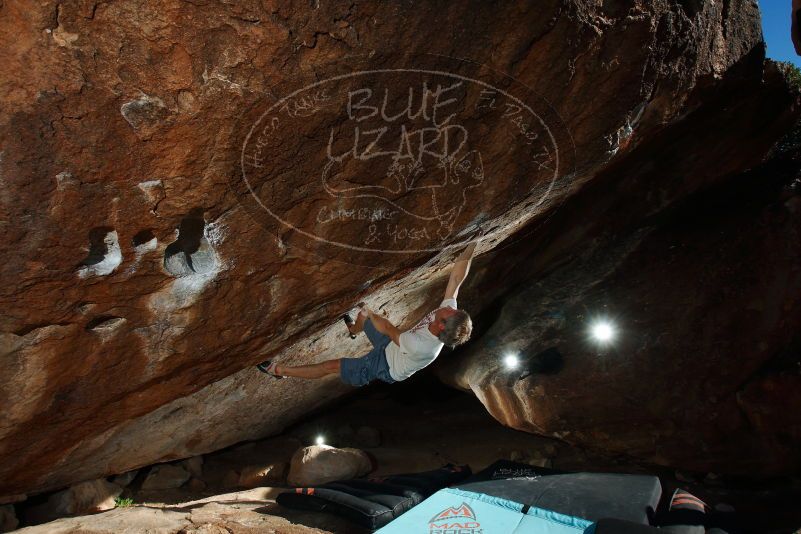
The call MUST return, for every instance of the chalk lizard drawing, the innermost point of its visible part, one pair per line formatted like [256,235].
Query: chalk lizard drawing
[447,182]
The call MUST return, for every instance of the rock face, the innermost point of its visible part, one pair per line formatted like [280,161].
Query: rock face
[124,479]
[263,475]
[318,464]
[83,498]
[166,476]
[8,519]
[705,301]
[185,192]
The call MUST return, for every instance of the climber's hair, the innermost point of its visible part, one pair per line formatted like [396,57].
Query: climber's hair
[458,328]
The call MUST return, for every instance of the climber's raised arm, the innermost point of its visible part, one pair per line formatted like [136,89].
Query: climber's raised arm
[460,269]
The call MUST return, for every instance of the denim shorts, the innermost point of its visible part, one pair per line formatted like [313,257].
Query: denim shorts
[371,366]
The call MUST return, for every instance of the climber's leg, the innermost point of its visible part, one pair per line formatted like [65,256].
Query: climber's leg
[317,370]
[371,366]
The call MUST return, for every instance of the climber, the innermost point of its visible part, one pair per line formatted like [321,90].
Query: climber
[395,355]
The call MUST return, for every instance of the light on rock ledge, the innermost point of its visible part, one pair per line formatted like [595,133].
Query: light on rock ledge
[511,361]
[320,440]
[602,331]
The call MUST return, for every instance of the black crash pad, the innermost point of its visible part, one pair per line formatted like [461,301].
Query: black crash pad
[591,496]
[376,501]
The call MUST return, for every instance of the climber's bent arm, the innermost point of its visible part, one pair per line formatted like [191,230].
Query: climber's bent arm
[383,325]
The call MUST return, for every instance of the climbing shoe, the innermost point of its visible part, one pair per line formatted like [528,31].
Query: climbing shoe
[268,366]
[349,322]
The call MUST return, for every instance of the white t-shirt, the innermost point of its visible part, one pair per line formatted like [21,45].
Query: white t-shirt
[418,347]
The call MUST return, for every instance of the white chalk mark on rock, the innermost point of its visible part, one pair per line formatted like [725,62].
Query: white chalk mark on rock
[104,256]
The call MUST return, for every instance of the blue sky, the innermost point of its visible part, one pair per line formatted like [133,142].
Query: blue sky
[776,27]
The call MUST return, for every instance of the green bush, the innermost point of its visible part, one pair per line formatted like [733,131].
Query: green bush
[123,503]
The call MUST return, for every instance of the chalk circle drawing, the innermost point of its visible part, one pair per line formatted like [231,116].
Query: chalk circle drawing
[400,160]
